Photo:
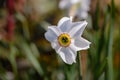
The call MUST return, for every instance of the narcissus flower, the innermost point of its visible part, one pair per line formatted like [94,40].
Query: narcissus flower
[67,3]
[83,7]
[66,38]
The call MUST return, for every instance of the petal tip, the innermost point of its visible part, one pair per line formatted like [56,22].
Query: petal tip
[62,20]
[46,34]
[69,63]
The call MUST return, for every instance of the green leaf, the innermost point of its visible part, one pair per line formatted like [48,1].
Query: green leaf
[12,59]
[31,57]
[109,67]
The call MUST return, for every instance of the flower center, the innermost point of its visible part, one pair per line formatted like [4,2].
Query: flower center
[64,40]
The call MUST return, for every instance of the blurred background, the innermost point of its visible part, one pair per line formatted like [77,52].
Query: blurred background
[25,54]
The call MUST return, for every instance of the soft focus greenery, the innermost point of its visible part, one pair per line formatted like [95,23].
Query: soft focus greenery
[25,54]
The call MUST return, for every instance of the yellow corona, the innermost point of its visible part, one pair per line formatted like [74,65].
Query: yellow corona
[64,40]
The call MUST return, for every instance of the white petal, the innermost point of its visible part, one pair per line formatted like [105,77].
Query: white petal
[83,9]
[80,44]
[75,1]
[65,24]
[67,55]
[85,5]
[64,4]
[82,14]
[77,28]
[62,20]
[52,33]
[55,45]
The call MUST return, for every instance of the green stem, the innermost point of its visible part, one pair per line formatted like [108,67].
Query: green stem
[110,55]
[13,60]
[79,65]
[101,43]
[109,67]
[100,70]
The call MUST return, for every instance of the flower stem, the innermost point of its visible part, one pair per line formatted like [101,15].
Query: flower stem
[109,67]
[79,66]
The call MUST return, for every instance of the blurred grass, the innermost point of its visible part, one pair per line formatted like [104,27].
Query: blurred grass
[28,56]
[110,70]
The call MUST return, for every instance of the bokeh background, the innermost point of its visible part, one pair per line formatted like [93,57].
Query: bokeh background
[25,54]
